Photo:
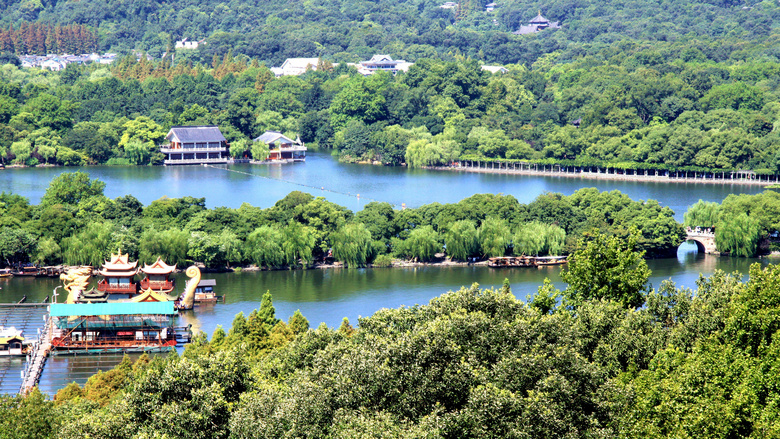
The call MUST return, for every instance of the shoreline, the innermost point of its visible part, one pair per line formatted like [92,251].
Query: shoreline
[601,176]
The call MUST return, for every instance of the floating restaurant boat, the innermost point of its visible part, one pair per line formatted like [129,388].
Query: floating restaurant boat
[197,291]
[26,270]
[544,261]
[511,261]
[92,328]
[526,261]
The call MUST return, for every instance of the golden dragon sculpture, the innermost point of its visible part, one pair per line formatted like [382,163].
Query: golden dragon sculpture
[188,296]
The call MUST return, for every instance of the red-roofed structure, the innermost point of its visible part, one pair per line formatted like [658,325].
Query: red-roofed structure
[118,275]
[158,277]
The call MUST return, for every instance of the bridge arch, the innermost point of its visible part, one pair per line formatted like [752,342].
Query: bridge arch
[699,245]
[704,240]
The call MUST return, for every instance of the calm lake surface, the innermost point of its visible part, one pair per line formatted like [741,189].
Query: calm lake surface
[329,295]
[321,175]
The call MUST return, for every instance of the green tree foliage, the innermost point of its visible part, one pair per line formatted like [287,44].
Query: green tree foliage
[607,268]
[461,240]
[738,235]
[494,237]
[702,214]
[421,245]
[352,244]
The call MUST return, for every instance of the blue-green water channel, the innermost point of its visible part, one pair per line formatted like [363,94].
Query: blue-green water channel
[328,295]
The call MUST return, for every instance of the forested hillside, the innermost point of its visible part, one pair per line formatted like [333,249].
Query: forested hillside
[657,85]
[350,30]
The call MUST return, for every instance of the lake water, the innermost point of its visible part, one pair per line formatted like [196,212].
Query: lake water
[329,295]
[321,175]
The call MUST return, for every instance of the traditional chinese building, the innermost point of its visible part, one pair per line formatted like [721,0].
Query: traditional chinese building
[158,277]
[118,275]
[537,24]
[194,145]
[281,148]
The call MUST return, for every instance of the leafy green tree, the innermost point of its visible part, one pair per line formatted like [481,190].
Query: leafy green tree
[259,151]
[264,246]
[298,242]
[71,189]
[90,245]
[461,240]
[16,245]
[494,237]
[352,244]
[738,235]
[702,214]
[607,267]
[298,323]
[422,244]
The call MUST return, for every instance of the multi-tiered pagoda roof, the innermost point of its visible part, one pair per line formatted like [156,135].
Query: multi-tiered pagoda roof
[119,266]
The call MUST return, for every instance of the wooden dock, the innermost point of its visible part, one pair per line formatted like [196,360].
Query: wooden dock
[36,360]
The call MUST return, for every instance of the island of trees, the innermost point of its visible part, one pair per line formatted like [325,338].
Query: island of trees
[75,223]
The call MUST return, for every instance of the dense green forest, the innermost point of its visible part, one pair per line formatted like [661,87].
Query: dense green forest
[76,224]
[579,363]
[655,84]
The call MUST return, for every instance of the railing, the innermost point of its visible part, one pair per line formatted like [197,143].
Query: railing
[165,150]
[194,161]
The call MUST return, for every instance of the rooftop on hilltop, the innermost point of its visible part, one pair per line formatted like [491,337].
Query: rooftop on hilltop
[537,24]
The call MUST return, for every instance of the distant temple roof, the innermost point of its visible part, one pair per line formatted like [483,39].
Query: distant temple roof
[195,134]
[537,24]
[159,267]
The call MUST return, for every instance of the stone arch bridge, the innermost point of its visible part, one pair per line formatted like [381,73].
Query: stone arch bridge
[704,239]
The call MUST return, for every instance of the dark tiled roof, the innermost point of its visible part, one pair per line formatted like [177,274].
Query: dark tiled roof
[210,133]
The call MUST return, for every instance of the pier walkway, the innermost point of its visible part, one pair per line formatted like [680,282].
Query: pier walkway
[37,358]
[28,318]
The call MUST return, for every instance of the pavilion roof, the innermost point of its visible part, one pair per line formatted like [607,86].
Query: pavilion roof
[119,262]
[151,296]
[159,267]
[118,273]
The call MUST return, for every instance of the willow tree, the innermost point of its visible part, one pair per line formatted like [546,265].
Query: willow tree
[494,236]
[298,243]
[264,247]
[702,214]
[422,244]
[529,239]
[90,246]
[461,240]
[170,244]
[738,235]
[352,245]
